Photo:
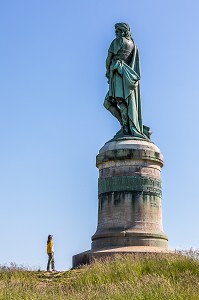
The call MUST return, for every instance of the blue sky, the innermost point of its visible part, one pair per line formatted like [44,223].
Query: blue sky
[53,123]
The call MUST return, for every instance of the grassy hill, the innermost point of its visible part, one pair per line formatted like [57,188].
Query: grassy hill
[174,276]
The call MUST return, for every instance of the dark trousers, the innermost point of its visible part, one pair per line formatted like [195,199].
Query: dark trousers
[51,261]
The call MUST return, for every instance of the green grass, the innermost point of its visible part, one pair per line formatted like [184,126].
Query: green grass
[172,276]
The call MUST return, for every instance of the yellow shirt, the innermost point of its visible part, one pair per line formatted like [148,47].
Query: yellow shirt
[50,247]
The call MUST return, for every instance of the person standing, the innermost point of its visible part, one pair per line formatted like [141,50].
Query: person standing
[50,252]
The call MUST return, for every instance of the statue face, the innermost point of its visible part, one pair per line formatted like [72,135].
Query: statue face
[118,32]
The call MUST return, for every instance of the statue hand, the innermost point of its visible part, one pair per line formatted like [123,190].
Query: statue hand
[107,75]
[112,101]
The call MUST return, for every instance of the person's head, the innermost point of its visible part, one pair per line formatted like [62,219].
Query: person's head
[50,237]
[123,30]
[118,32]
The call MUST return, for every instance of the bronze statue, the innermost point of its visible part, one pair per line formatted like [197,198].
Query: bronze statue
[123,73]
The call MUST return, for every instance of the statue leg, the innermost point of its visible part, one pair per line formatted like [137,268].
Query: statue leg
[124,115]
[112,107]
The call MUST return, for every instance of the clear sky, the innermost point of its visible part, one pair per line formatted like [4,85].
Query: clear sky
[53,123]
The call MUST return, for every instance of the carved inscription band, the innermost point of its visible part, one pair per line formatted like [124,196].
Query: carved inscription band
[129,183]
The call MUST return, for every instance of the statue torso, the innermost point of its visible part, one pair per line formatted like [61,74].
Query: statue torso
[122,49]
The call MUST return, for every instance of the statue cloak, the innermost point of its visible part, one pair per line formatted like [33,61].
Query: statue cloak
[124,84]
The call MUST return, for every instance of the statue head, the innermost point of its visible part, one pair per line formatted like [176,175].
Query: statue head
[123,29]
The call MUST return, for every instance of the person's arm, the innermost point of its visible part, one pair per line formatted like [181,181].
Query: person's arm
[50,246]
[108,63]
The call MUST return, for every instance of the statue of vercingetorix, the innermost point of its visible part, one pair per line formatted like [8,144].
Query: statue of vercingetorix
[123,73]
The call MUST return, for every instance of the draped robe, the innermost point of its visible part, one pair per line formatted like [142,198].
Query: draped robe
[124,80]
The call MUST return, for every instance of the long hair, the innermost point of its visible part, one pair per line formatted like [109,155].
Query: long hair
[49,238]
[125,28]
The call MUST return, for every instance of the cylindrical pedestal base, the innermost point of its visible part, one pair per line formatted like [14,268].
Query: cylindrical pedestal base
[130,212]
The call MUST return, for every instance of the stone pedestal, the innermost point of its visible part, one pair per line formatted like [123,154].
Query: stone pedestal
[130,211]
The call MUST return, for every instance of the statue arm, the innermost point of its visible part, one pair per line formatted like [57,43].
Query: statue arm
[108,63]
